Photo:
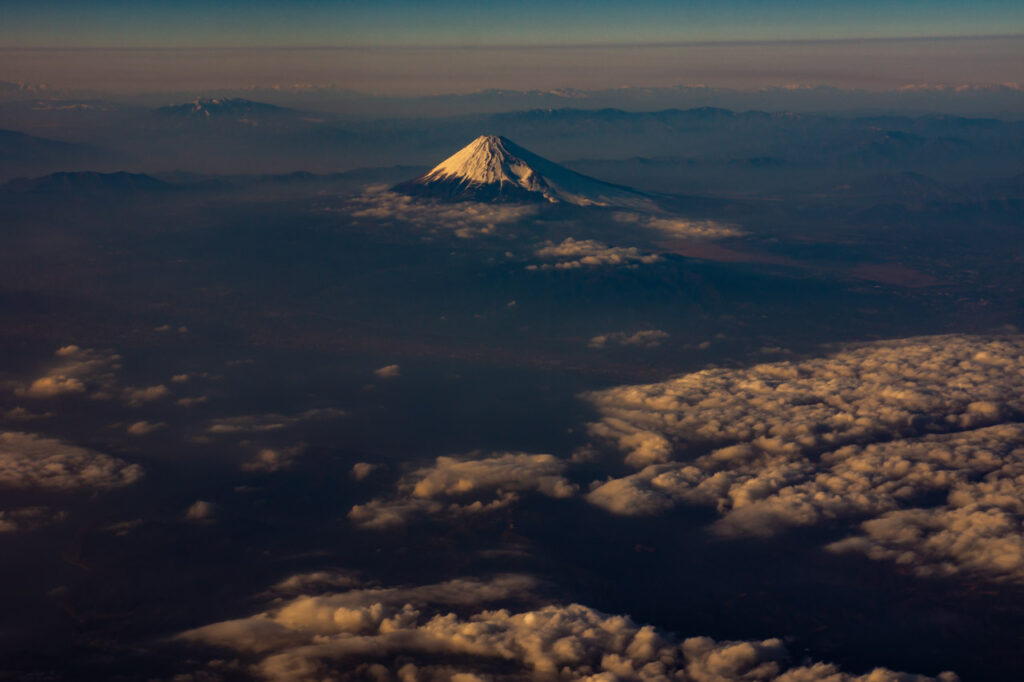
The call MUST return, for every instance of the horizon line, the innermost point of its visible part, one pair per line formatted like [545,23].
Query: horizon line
[522,46]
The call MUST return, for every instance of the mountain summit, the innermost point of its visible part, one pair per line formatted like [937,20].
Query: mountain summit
[225,107]
[495,169]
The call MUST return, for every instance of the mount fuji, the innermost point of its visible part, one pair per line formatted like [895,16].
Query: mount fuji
[494,169]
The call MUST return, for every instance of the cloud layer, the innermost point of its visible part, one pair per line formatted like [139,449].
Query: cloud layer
[863,434]
[873,392]
[440,632]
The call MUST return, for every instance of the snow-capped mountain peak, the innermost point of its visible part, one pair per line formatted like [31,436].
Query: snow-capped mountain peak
[493,168]
[486,159]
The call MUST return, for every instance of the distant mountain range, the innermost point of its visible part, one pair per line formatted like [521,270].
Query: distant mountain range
[109,186]
[975,100]
[87,182]
[231,107]
[705,150]
[32,151]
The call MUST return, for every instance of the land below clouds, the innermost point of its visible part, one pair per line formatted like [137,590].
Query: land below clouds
[272,351]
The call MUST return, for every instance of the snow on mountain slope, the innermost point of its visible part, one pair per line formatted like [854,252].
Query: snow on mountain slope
[493,168]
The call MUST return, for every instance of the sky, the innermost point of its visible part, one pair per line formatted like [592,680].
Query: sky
[261,23]
[402,47]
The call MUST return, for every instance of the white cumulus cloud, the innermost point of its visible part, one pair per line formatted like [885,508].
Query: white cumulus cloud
[31,461]
[76,370]
[645,338]
[872,392]
[360,470]
[858,436]
[137,396]
[681,227]
[201,511]
[573,254]
[466,486]
[269,460]
[388,372]
[345,635]
[144,428]
[464,219]
[255,423]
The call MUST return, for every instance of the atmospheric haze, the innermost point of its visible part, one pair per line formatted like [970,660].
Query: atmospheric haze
[463,342]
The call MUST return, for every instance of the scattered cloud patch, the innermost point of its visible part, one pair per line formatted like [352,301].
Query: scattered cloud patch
[91,373]
[466,486]
[314,582]
[28,518]
[682,228]
[201,511]
[138,396]
[464,219]
[645,338]
[269,460]
[144,428]
[123,528]
[31,461]
[77,370]
[388,372]
[572,254]
[20,414]
[256,423]
[360,470]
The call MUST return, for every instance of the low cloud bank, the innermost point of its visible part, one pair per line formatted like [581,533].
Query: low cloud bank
[442,632]
[862,435]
